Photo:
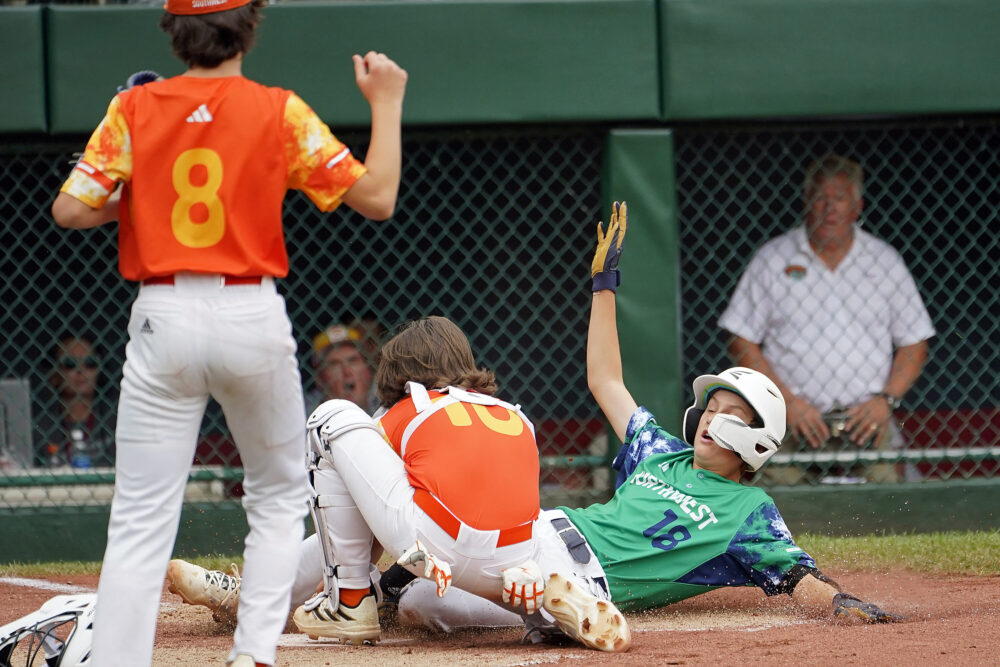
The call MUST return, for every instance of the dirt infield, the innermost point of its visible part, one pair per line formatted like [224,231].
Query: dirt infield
[949,620]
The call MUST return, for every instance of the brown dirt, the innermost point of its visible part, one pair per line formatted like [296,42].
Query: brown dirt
[953,620]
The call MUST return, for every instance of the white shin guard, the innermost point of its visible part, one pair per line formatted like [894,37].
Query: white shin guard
[344,535]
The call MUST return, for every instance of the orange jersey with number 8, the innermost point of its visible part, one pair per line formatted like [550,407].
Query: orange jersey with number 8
[480,461]
[206,164]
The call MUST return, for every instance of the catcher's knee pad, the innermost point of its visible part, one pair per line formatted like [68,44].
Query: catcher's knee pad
[333,419]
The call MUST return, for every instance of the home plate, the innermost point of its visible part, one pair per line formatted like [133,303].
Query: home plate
[303,641]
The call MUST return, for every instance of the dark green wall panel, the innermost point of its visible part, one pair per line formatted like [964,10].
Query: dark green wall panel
[639,169]
[80,533]
[91,51]
[22,103]
[758,58]
[469,62]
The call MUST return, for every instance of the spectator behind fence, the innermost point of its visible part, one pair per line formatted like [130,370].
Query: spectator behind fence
[75,431]
[373,335]
[344,359]
[833,316]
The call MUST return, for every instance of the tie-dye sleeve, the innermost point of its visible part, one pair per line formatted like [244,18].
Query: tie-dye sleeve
[765,547]
[106,161]
[318,163]
[643,438]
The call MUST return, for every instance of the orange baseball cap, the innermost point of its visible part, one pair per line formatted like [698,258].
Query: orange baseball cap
[187,7]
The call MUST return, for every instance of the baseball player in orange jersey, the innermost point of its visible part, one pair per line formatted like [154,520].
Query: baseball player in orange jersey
[205,159]
[437,483]
[454,498]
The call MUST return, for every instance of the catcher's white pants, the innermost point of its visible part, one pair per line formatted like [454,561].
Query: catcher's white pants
[419,605]
[376,497]
[187,341]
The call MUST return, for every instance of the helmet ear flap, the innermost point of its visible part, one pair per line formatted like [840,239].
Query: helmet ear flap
[692,416]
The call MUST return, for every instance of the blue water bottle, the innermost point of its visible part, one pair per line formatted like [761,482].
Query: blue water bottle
[79,450]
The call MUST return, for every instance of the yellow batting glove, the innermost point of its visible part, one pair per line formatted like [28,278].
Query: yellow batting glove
[604,269]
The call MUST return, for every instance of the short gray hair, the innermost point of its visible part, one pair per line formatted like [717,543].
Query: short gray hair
[829,165]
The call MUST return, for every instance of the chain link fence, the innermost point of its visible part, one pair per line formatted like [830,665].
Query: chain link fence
[488,232]
[494,230]
[932,191]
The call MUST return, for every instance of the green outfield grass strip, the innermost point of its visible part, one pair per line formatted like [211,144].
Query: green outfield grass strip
[956,553]
[971,553]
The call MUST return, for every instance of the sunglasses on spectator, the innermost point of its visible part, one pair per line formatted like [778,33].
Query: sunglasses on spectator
[71,363]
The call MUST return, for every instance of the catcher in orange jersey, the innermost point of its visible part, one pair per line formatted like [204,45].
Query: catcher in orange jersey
[453,497]
[195,169]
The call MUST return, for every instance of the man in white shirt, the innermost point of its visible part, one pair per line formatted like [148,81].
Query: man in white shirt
[833,316]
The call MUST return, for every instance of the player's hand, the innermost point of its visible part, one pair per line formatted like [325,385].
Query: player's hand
[807,422]
[604,268]
[524,586]
[868,420]
[435,569]
[379,78]
[848,607]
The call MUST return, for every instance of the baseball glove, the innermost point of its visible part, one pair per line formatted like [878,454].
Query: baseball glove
[847,606]
[139,78]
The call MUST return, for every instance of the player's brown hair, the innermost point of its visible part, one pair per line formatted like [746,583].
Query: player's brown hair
[434,352]
[208,40]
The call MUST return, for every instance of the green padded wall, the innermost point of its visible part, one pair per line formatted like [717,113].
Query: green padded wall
[757,58]
[639,169]
[22,104]
[91,51]
[469,62]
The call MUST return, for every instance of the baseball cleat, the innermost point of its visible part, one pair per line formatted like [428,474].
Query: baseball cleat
[355,625]
[214,589]
[584,617]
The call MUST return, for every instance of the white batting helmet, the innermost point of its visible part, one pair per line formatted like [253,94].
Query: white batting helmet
[755,445]
[39,628]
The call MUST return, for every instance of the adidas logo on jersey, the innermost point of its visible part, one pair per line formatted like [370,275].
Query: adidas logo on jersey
[146,328]
[200,115]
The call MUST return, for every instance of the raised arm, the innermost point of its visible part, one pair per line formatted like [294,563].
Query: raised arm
[383,83]
[604,361]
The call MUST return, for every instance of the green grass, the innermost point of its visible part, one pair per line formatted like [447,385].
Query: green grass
[94,567]
[969,553]
[975,553]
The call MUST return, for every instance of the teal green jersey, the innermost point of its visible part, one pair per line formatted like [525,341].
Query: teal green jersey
[672,531]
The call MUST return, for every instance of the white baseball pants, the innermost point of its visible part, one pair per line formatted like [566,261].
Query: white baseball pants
[187,341]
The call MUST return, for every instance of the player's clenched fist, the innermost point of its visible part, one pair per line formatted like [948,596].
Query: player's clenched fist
[379,78]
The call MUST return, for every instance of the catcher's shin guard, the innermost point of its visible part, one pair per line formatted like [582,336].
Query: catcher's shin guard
[324,615]
[338,522]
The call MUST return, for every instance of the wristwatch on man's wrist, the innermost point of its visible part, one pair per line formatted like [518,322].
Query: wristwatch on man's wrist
[893,401]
